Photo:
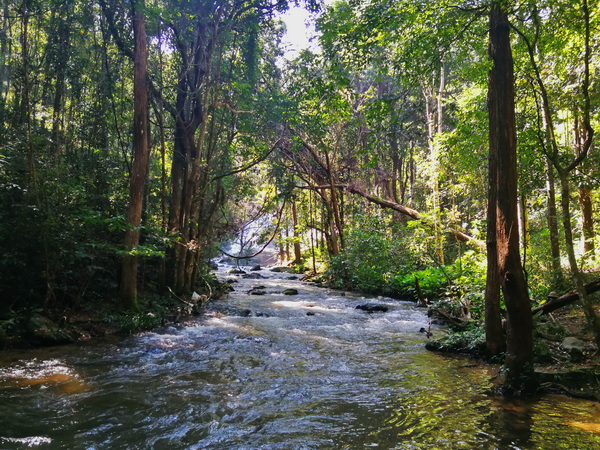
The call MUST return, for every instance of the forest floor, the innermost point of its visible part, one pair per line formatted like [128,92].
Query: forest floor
[578,372]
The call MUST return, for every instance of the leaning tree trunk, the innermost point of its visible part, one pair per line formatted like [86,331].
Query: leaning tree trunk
[503,143]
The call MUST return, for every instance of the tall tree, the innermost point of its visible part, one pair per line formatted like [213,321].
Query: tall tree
[141,155]
[503,180]
[580,104]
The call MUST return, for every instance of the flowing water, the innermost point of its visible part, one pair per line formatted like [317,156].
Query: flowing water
[275,371]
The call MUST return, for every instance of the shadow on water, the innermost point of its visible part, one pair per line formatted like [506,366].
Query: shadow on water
[276,371]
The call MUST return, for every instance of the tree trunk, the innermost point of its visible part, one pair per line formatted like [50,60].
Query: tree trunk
[587,221]
[588,307]
[553,226]
[494,336]
[584,195]
[297,250]
[524,229]
[141,156]
[503,142]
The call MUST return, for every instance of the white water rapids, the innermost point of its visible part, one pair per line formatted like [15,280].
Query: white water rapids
[274,371]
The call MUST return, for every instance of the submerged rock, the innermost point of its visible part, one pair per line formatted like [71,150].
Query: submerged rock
[372,307]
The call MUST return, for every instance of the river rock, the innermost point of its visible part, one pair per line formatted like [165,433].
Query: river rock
[44,331]
[237,272]
[253,276]
[290,292]
[282,269]
[257,292]
[575,347]
[372,307]
[256,267]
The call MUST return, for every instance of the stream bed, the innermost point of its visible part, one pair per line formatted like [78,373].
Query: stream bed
[276,371]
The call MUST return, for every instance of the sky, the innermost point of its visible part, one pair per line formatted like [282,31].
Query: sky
[299,31]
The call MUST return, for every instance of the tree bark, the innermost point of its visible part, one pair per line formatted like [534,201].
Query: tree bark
[141,157]
[503,143]
[297,250]
[495,341]
[553,226]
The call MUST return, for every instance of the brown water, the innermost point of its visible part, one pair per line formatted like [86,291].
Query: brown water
[277,379]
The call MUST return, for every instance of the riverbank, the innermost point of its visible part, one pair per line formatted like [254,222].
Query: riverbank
[276,370]
[572,371]
[565,355]
[100,318]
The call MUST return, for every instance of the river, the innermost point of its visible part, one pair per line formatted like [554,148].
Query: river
[275,371]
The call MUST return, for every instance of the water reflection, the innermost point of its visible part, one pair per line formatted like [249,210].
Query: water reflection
[276,378]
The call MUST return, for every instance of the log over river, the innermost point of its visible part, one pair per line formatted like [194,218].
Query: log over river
[275,371]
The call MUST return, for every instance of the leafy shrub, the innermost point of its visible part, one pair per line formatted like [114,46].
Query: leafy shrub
[433,282]
[470,341]
[370,258]
[133,322]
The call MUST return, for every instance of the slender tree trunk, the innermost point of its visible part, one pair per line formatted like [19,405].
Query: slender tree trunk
[588,307]
[4,55]
[524,230]
[553,226]
[297,250]
[337,228]
[584,194]
[587,221]
[141,156]
[519,340]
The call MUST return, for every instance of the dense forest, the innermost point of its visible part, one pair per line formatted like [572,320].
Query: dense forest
[440,151]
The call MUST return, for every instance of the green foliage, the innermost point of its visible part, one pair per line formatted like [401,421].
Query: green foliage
[370,258]
[133,322]
[433,282]
[470,341]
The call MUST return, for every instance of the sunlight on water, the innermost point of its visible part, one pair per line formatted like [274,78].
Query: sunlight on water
[258,372]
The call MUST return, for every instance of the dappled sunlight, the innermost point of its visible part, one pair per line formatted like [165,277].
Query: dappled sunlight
[53,374]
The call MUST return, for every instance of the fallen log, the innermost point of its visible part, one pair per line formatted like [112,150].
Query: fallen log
[566,299]
[410,213]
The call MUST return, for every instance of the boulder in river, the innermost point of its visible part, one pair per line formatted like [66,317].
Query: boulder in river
[372,307]
[253,276]
[256,267]
[257,292]
[290,292]
[237,271]
[282,269]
